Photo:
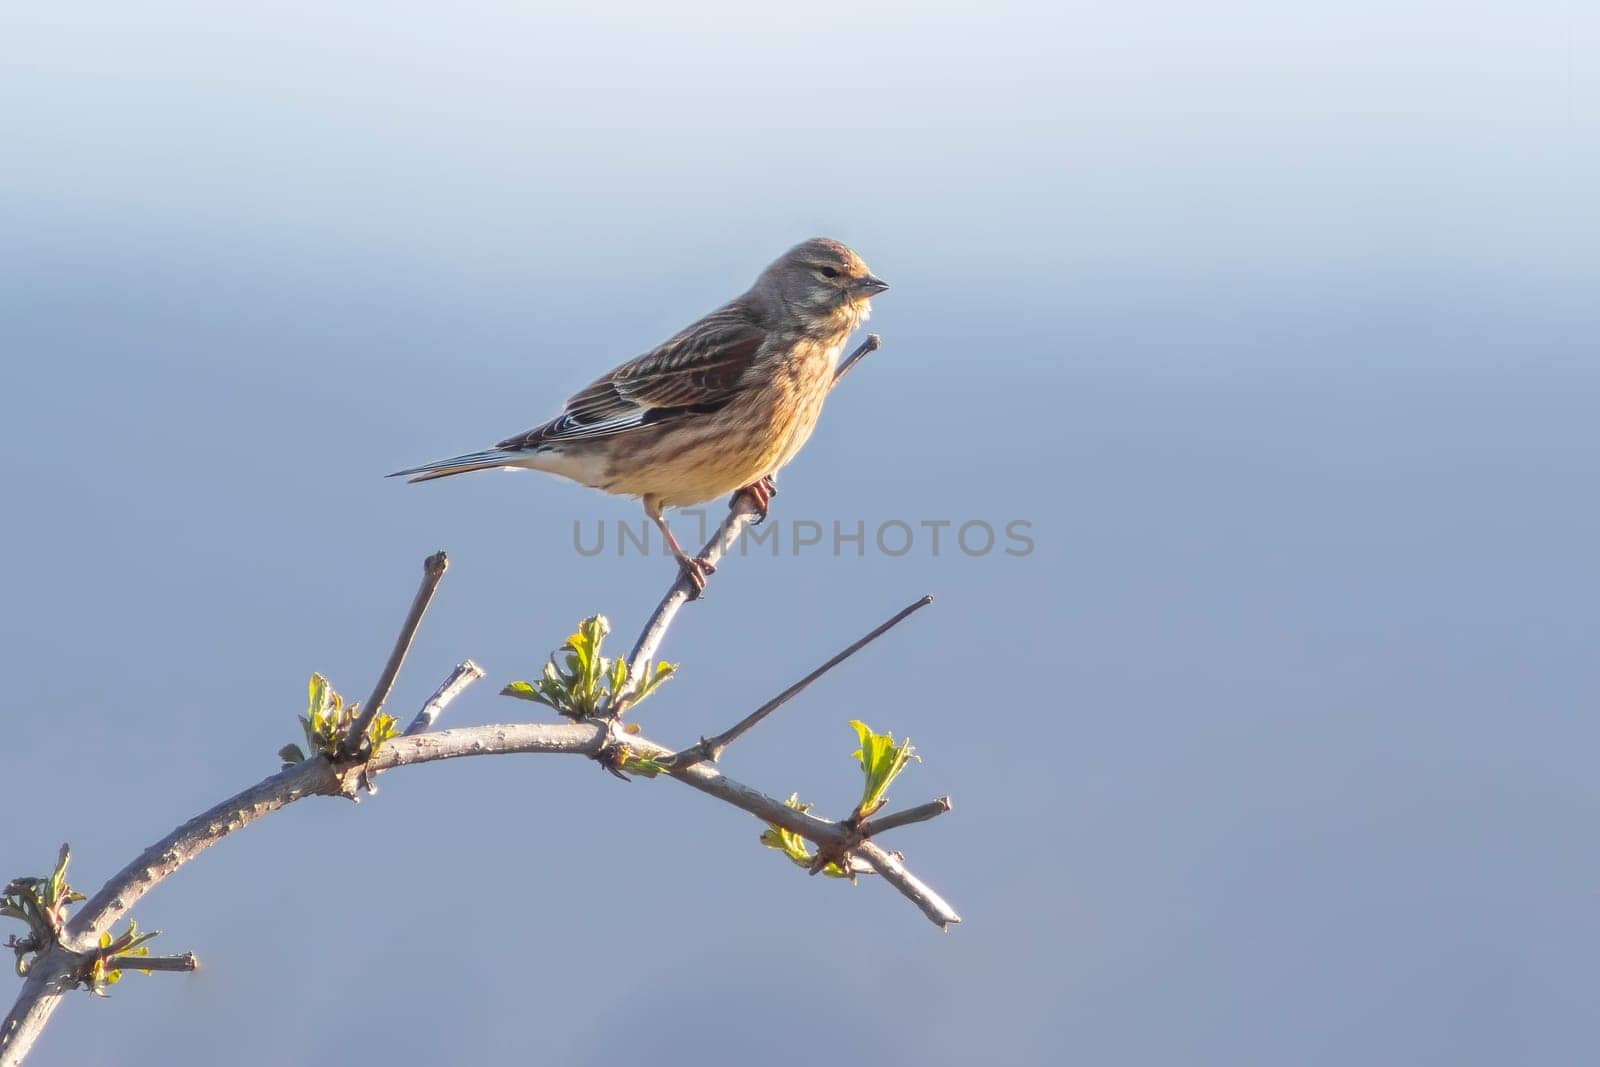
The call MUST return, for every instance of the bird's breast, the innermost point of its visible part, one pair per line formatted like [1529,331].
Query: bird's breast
[809,378]
[770,417]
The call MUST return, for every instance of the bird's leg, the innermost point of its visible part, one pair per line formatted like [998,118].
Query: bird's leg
[694,568]
[761,491]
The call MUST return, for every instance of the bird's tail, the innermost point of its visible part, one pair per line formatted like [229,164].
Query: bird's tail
[472,461]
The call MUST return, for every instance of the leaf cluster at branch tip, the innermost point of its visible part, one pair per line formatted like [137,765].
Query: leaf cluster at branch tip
[580,683]
[327,723]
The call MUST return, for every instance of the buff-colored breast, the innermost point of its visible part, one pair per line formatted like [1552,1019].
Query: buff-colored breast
[696,460]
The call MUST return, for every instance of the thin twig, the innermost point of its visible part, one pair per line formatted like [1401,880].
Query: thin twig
[433,569]
[712,749]
[682,590]
[913,888]
[464,675]
[184,962]
[863,350]
[921,813]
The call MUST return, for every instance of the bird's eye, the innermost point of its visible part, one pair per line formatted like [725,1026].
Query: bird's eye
[828,272]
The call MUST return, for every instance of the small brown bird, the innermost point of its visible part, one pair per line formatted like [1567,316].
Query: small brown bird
[719,408]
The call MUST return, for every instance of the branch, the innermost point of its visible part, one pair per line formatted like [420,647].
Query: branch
[740,513]
[184,962]
[712,749]
[894,872]
[921,813]
[317,777]
[433,569]
[827,836]
[41,995]
[464,675]
[590,738]
[863,350]
[314,777]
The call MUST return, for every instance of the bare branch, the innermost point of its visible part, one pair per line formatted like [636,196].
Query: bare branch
[682,590]
[921,813]
[433,569]
[183,962]
[863,350]
[314,777]
[559,738]
[712,749]
[913,888]
[41,995]
[464,675]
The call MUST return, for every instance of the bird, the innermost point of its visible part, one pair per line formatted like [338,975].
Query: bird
[720,407]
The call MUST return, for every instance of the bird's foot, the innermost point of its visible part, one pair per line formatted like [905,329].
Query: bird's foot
[760,493]
[697,569]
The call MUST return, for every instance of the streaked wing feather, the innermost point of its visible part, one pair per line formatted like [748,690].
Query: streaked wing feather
[695,372]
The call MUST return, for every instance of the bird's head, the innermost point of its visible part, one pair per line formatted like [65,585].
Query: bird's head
[823,282]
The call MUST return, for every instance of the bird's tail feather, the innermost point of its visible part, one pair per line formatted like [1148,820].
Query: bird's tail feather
[472,461]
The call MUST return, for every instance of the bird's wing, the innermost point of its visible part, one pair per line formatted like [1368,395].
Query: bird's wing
[695,372]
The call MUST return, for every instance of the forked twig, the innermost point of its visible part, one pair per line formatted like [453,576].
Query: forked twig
[464,675]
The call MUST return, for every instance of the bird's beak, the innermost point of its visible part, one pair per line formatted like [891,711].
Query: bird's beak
[871,285]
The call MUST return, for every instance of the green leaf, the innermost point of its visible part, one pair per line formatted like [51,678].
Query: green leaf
[648,766]
[579,682]
[317,701]
[653,677]
[382,727]
[881,763]
[291,755]
[58,877]
[327,720]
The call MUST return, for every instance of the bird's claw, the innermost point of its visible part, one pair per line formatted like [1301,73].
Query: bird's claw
[760,493]
[697,569]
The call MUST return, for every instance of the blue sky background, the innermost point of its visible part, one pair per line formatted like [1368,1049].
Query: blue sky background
[1276,321]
